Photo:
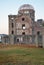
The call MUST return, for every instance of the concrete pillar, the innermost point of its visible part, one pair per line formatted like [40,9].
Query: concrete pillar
[36,41]
[11,39]
[43,41]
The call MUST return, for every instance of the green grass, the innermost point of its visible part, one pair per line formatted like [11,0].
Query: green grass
[21,56]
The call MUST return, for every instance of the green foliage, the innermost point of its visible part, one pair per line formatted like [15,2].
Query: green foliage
[43,24]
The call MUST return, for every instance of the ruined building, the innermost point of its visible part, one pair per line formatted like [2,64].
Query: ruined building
[23,28]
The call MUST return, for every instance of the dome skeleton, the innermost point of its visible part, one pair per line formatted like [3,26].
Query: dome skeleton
[26,6]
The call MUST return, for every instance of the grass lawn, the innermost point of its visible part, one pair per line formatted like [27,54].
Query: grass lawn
[17,55]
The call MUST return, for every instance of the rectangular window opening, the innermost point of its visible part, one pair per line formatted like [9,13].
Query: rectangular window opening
[23,26]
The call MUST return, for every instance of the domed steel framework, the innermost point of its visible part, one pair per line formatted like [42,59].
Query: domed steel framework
[26,6]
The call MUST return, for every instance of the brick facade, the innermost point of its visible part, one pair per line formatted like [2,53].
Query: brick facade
[23,28]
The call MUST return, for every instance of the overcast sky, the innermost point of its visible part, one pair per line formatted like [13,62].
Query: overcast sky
[11,7]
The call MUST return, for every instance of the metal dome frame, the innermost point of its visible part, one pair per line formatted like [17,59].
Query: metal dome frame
[26,6]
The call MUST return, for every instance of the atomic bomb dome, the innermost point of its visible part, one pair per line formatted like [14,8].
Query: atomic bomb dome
[27,9]
[23,29]
[26,6]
